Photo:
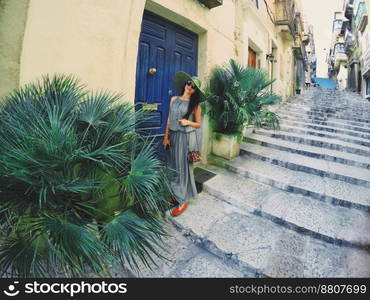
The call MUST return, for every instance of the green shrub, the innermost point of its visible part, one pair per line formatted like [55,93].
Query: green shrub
[237,97]
[80,189]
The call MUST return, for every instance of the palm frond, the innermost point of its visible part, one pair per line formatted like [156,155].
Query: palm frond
[72,243]
[134,239]
[237,95]
[72,160]
[20,257]
[142,182]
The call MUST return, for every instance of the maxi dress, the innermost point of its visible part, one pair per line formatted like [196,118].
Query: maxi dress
[181,171]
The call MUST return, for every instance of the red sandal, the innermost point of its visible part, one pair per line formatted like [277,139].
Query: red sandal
[178,210]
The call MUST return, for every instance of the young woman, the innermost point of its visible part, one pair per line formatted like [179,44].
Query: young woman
[184,117]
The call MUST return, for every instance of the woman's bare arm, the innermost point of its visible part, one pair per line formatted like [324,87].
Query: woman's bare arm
[198,118]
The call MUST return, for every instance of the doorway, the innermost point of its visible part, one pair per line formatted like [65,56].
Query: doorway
[164,49]
[252,58]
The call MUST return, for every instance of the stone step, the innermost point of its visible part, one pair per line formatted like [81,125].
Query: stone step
[352,107]
[330,108]
[292,110]
[311,151]
[308,165]
[256,245]
[324,221]
[345,103]
[319,97]
[366,122]
[348,112]
[332,112]
[320,188]
[187,259]
[317,141]
[325,123]
[315,119]
[320,133]
[325,128]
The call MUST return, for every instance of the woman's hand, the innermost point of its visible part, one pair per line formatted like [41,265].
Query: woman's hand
[166,142]
[184,122]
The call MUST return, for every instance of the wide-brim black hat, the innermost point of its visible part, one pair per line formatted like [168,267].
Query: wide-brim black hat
[181,78]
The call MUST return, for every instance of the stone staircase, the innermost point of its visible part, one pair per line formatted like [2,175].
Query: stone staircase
[295,203]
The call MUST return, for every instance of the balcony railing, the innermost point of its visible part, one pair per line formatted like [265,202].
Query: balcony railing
[285,13]
[339,54]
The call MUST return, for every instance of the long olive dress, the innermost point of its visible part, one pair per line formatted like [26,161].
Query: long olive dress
[181,172]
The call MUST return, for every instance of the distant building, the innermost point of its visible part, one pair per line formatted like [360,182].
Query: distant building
[311,56]
[337,58]
[355,36]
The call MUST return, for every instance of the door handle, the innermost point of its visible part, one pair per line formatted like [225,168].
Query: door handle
[152,71]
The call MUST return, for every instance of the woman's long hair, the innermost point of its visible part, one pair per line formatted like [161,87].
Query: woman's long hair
[194,101]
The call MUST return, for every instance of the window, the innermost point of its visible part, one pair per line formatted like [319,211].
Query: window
[255,2]
[337,25]
[252,56]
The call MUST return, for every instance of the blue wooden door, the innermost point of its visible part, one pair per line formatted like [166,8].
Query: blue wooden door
[164,49]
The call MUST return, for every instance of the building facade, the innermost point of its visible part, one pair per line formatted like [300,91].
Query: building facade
[361,9]
[135,46]
[337,58]
[354,45]
[311,56]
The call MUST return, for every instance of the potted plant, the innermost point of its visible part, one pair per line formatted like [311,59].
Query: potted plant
[238,97]
[81,190]
[298,84]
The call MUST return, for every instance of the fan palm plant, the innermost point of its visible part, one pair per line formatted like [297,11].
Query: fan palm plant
[80,188]
[238,97]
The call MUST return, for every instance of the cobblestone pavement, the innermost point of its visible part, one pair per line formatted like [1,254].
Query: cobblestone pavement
[295,203]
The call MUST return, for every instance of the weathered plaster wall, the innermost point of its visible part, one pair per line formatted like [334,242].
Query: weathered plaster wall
[11,38]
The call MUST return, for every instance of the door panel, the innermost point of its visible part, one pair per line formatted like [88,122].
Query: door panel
[168,48]
[143,59]
[155,82]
